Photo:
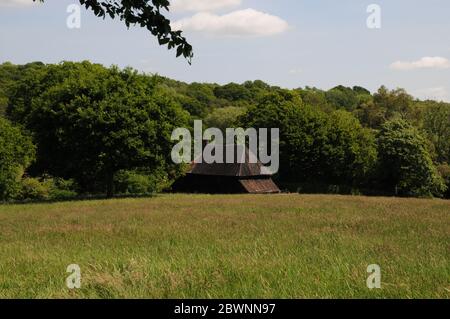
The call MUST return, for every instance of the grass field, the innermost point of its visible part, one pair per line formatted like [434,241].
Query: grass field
[199,246]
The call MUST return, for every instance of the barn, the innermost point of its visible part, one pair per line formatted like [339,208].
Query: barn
[239,177]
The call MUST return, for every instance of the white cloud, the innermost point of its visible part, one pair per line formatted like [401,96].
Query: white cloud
[16,3]
[248,22]
[423,63]
[437,93]
[203,5]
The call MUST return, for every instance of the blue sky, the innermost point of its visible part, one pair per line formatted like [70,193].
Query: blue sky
[290,43]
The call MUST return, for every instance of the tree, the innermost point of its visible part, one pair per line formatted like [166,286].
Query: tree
[405,166]
[16,154]
[96,122]
[350,150]
[232,92]
[342,98]
[224,118]
[8,74]
[370,115]
[257,88]
[315,147]
[204,93]
[34,79]
[437,125]
[360,90]
[394,103]
[315,98]
[145,13]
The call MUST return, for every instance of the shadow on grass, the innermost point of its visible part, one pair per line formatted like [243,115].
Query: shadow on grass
[77,199]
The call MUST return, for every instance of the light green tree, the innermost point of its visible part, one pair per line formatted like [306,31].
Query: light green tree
[16,154]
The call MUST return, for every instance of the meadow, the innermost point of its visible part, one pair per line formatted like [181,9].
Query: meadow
[230,246]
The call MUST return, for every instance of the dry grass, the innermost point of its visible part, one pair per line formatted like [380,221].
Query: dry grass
[278,246]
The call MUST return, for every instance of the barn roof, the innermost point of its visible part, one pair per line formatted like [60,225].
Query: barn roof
[242,168]
[259,186]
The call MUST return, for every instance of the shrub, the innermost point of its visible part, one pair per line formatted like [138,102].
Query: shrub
[61,189]
[16,154]
[34,189]
[46,188]
[140,183]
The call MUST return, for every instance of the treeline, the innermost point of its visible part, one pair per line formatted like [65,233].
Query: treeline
[82,129]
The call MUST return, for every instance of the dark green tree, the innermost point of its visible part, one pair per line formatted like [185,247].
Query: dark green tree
[204,93]
[96,122]
[405,165]
[232,92]
[350,149]
[342,98]
[315,147]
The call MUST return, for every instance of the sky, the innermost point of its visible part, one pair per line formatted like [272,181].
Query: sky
[289,43]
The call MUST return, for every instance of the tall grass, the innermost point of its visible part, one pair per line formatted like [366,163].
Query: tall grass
[240,246]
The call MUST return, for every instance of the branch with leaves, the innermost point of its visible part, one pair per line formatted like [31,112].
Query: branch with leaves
[146,14]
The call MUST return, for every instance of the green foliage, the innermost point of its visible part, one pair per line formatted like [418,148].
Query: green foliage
[257,89]
[34,189]
[361,91]
[342,97]
[224,118]
[91,123]
[370,115]
[141,182]
[16,154]
[62,188]
[103,120]
[193,106]
[316,98]
[395,104]
[8,74]
[232,92]
[437,126]
[204,93]
[46,188]
[132,183]
[405,163]
[351,150]
[33,79]
[315,147]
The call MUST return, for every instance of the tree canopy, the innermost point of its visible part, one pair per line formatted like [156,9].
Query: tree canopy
[94,125]
[405,163]
[103,120]
[315,147]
